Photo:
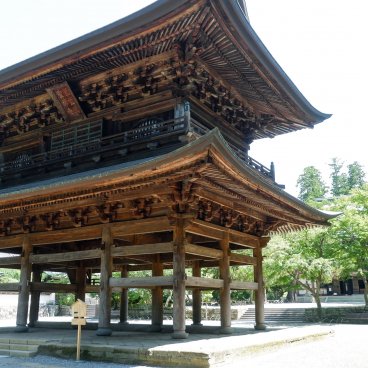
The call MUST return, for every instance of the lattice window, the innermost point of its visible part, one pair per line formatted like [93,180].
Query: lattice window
[76,136]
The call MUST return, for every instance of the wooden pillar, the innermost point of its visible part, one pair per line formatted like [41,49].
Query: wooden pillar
[81,283]
[35,299]
[104,311]
[225,298]
[179,279]
[157,297]
[258,277]
[124,298]
[23,297]
[196,295]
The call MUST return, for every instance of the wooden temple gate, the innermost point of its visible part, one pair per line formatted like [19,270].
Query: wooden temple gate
[127,149]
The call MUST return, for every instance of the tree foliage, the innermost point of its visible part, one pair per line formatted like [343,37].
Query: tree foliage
[311,185]
[350,234]
[301,259]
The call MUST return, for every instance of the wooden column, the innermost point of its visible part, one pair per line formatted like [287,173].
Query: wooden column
[124,298]
[104,311]
[81,283]
[197,299]
[23,297]
[157,297]
[225,298]
[35,299]
[258,277]
[179,279]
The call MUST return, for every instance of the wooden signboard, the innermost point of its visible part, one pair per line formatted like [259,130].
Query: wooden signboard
[79,313]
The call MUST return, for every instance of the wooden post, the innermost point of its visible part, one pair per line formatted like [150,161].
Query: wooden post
[225,298]
[81,283]
[179,279]
[35,299]
[258,277]
[124,298]
[157,297]
[23,297]
[104,311]
[197,300]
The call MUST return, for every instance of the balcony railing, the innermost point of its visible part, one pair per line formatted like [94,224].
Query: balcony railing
[149,132]
[200,129]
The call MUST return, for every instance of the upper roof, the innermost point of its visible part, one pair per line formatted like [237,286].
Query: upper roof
[215,33]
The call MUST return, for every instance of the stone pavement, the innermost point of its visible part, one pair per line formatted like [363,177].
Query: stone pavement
[136,346]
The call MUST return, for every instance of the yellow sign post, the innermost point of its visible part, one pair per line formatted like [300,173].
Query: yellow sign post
[79,312]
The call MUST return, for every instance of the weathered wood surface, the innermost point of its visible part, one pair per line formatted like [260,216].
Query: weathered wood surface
[10,261]
[243,285]
[48,287]
[141,282]
[203,282]
[25,278]
[214,231]
[196,296]
[104,312]
[142,249]
[65,256]
[242,259]
[10,286]
[202,251]
[225,292]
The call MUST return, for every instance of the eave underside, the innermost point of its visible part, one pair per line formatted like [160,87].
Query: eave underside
[204,178]
[199,35]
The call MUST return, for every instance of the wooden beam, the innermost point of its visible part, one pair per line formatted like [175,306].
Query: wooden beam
[65,256]
[10,286]
[204,282]
[141,282]
[9,261]
[119,229]
[199,250]
[214,231]
[48,287]
[243,259]
[11,241]
[142,226]
[243,285]
[143,249]
[92,288]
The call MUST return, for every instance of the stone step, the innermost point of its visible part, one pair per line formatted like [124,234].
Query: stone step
[18,353]
[276,315]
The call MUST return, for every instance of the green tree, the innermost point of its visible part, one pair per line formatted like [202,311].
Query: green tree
[339,179]
[302,259]
[350,233]
[356,175]
[311,185]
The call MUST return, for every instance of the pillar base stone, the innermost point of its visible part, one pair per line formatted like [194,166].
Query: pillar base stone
[260,326]
[104,331]
[226,330]
[155,328]
[179,335]
[20,328]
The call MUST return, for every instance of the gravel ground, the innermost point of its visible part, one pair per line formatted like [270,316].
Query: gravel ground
[346,348]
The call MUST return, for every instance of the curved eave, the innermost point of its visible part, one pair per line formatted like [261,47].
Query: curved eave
[210,144]
[78,47]
[246,33]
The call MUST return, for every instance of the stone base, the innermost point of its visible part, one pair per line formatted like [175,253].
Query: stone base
[19,328]
[155,328]
[104,331]
[226,330]
[260,326]
[179,335]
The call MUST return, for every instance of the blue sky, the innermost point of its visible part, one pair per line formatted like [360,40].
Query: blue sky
[321,45]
